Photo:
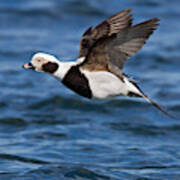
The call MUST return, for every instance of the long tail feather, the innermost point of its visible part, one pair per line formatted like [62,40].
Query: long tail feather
[159,107]
[139,93]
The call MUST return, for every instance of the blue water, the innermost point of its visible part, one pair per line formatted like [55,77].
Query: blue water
[49,132]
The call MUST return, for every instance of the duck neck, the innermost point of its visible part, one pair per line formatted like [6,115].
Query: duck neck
[63,69]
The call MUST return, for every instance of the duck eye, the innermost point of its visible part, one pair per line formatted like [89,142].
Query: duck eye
[38,60]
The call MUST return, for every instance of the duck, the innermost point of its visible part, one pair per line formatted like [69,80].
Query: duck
[98,71]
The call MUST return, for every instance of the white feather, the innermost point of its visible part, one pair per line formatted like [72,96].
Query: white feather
[80,60]
[63,69]
[65,66]
[104,84]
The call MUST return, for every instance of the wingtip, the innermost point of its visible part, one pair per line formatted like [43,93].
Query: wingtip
[153,20]
[88,31]
[128,10]
[153,23]
[124,12]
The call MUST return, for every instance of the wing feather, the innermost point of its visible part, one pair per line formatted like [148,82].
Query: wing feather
[112,52]
[107,28]
[130,41]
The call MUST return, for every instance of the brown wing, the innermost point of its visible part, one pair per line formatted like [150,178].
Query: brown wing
[111,53]
[111,26]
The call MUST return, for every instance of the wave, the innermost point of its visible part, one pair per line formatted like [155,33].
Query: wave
[21,159]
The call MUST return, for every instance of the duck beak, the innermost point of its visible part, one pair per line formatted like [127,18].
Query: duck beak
[28,66]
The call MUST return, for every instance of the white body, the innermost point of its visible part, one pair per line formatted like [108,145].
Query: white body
[103,84]
[106,85]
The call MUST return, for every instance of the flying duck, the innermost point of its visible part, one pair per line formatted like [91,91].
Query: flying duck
[97,73]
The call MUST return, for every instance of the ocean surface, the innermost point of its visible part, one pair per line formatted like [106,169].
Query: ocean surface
[47,132]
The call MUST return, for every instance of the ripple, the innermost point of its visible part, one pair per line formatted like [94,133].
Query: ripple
[68,103]
[84,174]
[33,9]
[83,7]
[3,104]
[138,129]
[126,103]
[148,3]
[13,121]
[52,135]
[65,171]
[142,129]
[21,159]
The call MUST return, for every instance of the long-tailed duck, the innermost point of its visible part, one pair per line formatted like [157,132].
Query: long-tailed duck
[104,49]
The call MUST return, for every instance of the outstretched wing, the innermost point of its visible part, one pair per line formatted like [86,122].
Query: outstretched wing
[128,42]
[107,28]
[110,52]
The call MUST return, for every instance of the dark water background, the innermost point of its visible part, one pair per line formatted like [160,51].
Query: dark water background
[48,132]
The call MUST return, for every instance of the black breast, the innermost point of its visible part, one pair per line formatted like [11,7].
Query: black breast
[76,81]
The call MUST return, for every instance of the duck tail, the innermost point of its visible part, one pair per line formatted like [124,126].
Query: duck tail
[158,107]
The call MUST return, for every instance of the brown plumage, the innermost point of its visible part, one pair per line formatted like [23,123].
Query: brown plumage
[105,29]
[108,45]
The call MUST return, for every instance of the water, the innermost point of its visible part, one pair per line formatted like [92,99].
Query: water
[48,132]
